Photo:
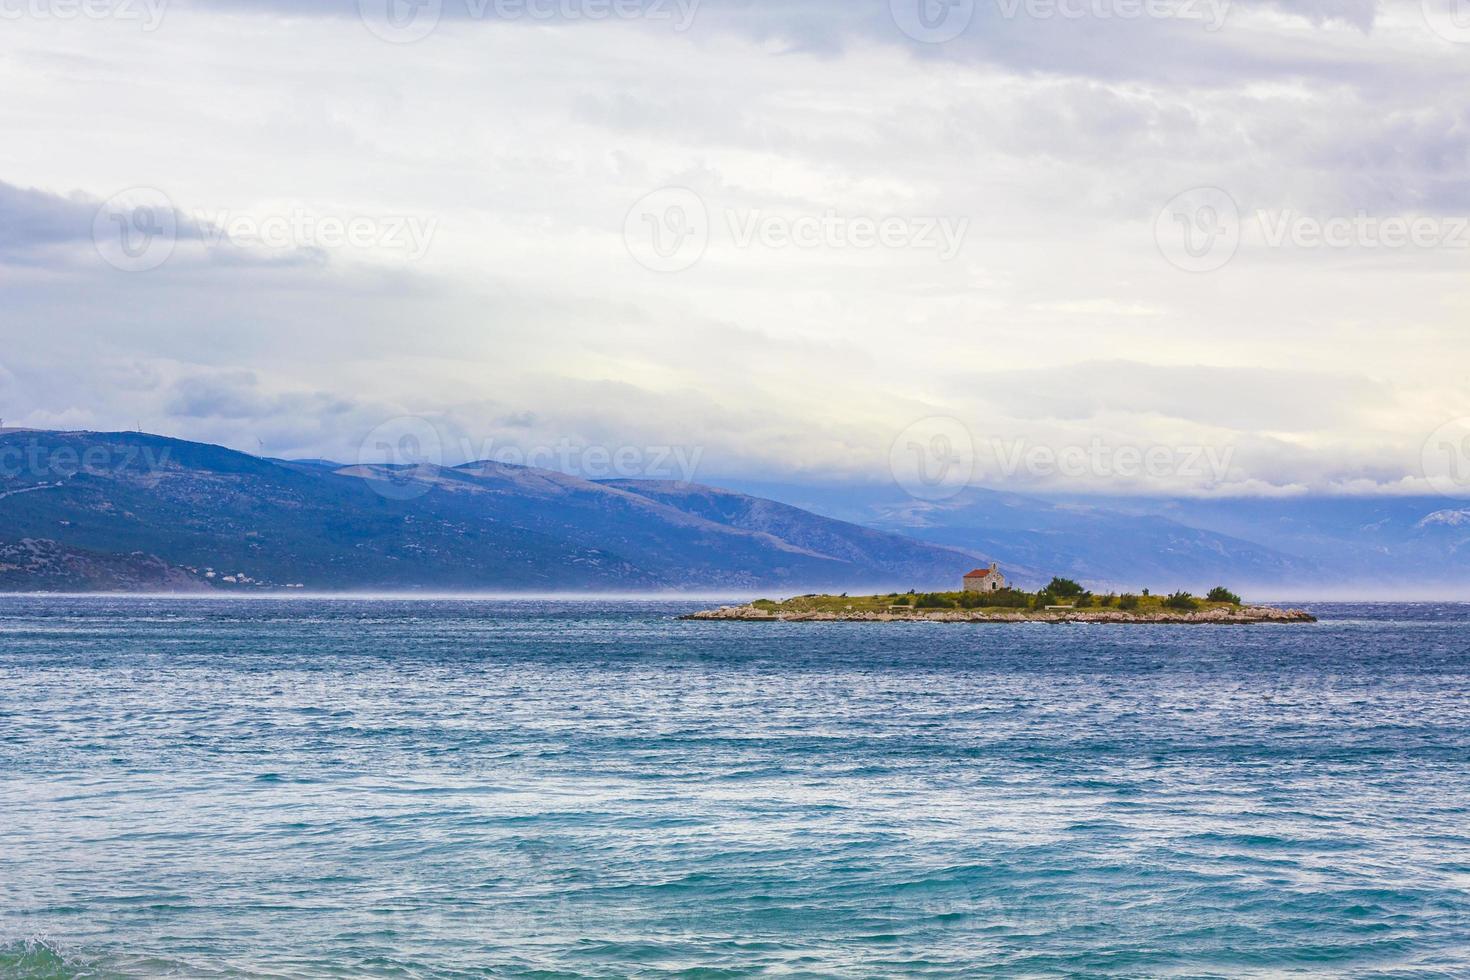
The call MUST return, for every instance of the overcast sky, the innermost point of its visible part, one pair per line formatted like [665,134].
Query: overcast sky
[795,240]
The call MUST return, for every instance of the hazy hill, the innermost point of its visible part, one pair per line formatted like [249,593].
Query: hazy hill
[133,510]
[1095,541]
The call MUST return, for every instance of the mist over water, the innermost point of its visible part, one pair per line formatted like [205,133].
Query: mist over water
[596,789]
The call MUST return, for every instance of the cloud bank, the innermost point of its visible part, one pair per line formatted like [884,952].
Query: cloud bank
[782,234]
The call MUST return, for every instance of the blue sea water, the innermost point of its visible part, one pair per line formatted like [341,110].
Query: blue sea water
[426,789]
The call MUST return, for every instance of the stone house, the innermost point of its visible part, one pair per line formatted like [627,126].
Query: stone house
[985,579]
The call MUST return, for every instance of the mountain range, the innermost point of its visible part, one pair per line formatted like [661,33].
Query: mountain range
[83,511]
[1309,546]
[91,511]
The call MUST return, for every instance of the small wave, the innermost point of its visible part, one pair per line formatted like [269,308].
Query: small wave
[36,959]
[1275,842]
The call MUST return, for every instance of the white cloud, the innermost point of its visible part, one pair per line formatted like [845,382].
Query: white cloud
[524,145]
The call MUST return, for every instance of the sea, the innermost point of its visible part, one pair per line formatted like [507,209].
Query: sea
[424,788]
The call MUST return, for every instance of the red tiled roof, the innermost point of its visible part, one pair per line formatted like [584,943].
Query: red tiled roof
[979,573]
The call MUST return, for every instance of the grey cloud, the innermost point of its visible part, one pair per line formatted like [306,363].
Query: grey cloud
[1361,14]
[999,32]
[226,395]
[775,363]
[42,229]
[32,219]
[1227,397]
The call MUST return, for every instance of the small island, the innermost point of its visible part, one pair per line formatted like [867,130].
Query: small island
[985,598]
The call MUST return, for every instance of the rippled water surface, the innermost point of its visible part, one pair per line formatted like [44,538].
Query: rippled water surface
[445,789]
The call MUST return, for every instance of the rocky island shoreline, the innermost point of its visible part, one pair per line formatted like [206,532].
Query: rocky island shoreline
[986,597]
[1241,615]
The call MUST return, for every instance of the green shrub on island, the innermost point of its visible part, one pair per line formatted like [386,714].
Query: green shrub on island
[1044,603]
[1002,598]
[1064,588]
[1006,605]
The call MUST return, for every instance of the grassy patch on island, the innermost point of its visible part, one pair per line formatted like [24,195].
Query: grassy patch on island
[1061,594]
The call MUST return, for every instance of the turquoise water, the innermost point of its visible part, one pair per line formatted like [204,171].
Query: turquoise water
[204,788]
